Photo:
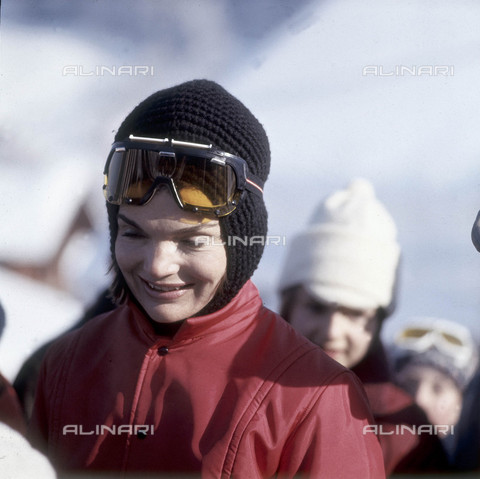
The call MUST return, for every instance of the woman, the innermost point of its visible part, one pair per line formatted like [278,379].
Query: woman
[338,286]
[190,373]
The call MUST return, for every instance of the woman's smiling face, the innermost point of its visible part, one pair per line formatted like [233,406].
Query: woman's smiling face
[173,261]
[345,334]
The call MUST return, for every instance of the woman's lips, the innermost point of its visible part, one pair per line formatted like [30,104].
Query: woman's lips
[165,291]
[333,353]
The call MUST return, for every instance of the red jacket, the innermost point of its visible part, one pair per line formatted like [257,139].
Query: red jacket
[237,393]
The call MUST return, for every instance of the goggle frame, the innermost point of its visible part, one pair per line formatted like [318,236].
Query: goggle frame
[168,147]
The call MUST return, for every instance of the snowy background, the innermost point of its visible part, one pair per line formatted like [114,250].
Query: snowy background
[300,67]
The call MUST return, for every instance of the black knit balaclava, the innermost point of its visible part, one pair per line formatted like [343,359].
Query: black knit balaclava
[201,111]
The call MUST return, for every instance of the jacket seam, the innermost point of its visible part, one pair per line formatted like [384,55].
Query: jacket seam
[59,390]
[137,393]
[257,401]
[309,408]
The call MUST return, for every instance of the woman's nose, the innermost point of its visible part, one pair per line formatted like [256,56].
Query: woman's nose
[335,324]
[162,259]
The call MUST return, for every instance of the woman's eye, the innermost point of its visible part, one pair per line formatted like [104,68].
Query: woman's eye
[188,242]
[131,234]
[197,241]
[194,242]
[354,314]
[315,307]
[311,307]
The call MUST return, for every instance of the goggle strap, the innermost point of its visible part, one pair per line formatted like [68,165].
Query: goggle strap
[254,184]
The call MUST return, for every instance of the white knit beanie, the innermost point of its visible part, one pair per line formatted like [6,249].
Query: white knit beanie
[349,253]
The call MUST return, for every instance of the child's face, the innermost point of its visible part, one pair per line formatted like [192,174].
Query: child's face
[434,391]
[344,334]
[170,275]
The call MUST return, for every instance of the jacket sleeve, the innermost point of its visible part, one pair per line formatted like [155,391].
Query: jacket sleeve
[335,438]
[47,398]
[38,425]
[330,437]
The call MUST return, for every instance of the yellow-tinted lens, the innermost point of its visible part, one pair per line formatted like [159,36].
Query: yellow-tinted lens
[452,339]
[139,189]
[415,332]
[193,196]
[205,184]
[128,176]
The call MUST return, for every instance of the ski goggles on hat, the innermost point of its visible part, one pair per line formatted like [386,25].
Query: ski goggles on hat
[456,344]
[200,177]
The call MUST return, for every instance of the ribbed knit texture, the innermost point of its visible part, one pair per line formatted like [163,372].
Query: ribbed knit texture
[201,111]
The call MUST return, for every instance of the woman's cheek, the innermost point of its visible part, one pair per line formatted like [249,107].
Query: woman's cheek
[125,256]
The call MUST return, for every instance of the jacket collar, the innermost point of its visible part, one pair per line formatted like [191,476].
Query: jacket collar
[244,305]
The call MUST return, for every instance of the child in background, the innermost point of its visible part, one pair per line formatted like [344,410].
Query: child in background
[434,361]
[337,287]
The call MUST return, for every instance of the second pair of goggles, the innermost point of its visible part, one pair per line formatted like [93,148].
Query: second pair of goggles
[452,340]
[200,177]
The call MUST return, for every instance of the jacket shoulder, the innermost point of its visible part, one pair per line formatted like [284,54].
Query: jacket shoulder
[307,360]
[95,330]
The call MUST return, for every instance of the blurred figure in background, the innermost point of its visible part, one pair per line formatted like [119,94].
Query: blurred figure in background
[467,451]
[466,455]
[25,382]
[434,360]
[10,410]
[337,287]
[17,458]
